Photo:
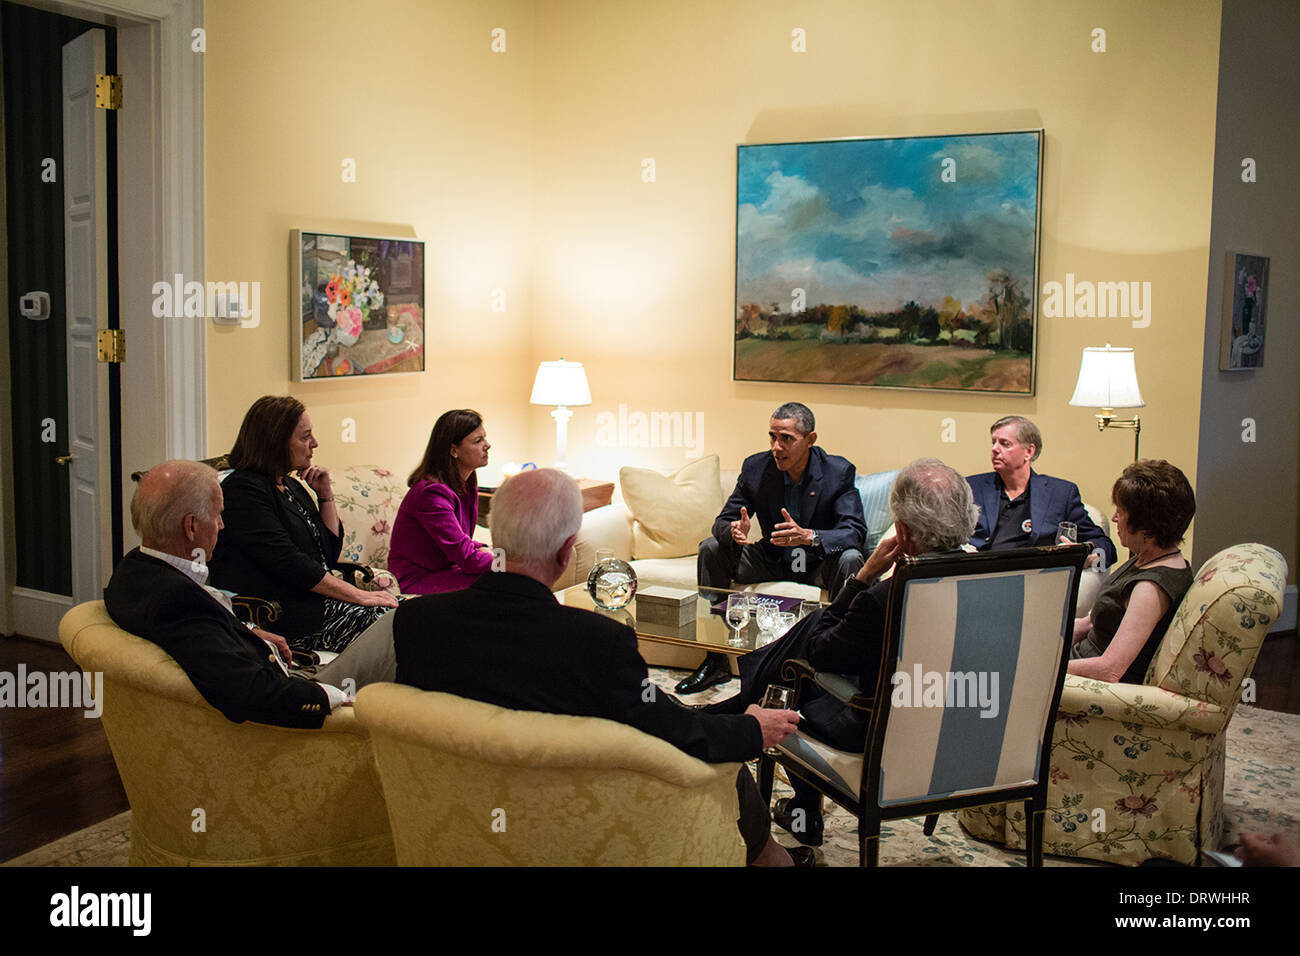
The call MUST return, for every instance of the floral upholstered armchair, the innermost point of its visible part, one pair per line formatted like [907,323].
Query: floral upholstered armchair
[367,499]
[1137,769]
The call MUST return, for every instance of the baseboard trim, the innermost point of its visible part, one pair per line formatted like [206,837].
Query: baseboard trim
[1286,621]
[37,614]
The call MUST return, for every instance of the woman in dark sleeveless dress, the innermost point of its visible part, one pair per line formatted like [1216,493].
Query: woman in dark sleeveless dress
[279,543]
[1154,504]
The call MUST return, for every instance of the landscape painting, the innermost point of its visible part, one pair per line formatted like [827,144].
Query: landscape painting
[903,263]
[359,305]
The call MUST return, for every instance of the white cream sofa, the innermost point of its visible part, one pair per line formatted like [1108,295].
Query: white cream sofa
[368,498]
[612,527]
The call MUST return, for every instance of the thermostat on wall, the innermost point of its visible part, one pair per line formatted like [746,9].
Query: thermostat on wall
[35,305]
[227,309]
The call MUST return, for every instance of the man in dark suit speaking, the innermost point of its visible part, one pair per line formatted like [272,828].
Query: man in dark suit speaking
[811,515]
[1020,508]
[159,592]
[507,641]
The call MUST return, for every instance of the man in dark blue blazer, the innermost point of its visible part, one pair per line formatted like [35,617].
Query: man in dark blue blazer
[1020,508]
[811,515]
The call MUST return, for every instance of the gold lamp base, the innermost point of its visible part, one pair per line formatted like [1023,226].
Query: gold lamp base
[1106,419]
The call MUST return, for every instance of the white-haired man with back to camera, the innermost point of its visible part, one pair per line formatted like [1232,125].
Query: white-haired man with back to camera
[934,513]
[506,640]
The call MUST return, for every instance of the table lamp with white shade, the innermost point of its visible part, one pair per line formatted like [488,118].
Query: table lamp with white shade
[1108,380]
[561,384]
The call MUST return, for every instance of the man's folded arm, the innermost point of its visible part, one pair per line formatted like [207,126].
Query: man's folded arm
[233,680]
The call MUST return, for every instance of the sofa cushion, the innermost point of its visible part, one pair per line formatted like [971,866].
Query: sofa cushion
[672,513]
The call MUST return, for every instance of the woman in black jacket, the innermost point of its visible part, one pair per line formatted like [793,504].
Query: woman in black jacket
[278,543]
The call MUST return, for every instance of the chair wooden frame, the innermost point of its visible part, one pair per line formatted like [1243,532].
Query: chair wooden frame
[866,805]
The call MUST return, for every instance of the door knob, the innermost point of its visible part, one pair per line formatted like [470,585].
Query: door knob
[64,459]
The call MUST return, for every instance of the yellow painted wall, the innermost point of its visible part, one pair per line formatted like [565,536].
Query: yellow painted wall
[637,279]
[441,131]
[525,169]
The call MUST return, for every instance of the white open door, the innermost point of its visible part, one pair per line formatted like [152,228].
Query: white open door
[86,275]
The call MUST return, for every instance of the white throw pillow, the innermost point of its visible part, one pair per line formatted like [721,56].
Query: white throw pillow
[673,513]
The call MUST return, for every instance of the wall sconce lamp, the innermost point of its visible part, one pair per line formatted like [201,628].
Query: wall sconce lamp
[1108,380]
[561,384]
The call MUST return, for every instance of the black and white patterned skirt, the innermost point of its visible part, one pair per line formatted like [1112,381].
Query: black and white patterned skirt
[342,624]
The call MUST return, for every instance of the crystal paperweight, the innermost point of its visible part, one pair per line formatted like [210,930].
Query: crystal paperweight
[612,584]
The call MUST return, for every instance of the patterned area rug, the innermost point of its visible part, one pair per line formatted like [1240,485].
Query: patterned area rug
[1260,794]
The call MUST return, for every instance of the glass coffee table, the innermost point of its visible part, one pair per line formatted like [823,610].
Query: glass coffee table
[707,629]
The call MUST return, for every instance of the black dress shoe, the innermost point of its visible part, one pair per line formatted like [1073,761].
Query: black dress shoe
[714,670]
[802,855]
[809,831]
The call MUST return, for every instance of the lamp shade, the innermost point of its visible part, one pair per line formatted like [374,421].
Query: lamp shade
[1107,379]
[560,383]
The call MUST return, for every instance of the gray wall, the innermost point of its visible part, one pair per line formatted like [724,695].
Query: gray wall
[1249,492]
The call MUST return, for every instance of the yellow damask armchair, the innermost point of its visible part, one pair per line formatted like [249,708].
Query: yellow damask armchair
[1137,769]
[471,784]
[208,792]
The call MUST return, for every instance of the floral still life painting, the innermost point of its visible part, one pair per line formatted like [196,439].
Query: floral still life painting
[905,262]
[1242,346]
[362,306]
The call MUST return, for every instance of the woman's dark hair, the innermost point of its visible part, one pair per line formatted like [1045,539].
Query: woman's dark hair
[451,428]
[1158,498]
[263,441]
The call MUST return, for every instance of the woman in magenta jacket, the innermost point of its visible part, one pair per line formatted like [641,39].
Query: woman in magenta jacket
[432,548]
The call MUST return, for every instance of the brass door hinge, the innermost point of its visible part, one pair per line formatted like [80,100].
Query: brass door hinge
[108,92]
[112,346]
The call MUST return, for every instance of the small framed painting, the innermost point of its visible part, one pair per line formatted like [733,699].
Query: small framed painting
[1244,300]
[358,305]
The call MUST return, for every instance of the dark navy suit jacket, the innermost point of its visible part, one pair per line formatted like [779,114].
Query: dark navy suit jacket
[832,506]
[229,665]
[507,641]
[1051,501]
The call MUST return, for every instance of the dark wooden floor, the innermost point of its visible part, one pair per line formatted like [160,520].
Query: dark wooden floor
[57,774]
[1277,673]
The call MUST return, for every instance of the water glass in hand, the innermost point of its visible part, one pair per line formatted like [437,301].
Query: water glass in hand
[776,697]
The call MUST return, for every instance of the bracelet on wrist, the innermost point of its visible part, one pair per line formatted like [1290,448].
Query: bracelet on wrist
[323,500]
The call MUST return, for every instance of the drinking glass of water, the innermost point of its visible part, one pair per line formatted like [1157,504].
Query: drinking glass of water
[1067,532]
[737,616]
[765,613]
[776,697]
